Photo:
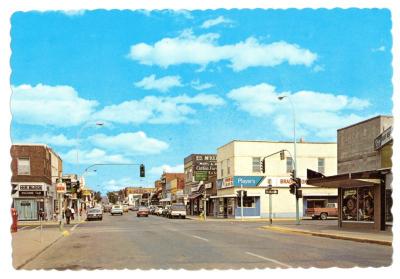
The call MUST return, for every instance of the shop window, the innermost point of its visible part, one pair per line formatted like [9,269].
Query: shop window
[388,206]
[358,204]
[256,164]
[289,164]
[321,165]
[24,166]
[247,202]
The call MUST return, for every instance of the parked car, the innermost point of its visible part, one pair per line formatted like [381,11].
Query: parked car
[116,209]
[323,212]
[94,214]
[158,211]
[165,210]
[135,208]
[177,210]
[125,207]
[153,209]
[143,211]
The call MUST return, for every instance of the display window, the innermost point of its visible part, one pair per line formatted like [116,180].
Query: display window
[247,202]
[358,204]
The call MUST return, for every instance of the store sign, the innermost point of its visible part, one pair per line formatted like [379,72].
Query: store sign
[61,187]
[31,193]
[200,175]
[383,138]
[227,182]
[31,187]
[247,181]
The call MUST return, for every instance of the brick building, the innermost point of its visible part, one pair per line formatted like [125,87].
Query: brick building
[35,168]
[166,179]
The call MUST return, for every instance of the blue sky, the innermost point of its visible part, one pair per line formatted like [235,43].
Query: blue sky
[171,83]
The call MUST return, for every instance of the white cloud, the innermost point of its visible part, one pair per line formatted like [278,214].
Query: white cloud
[131,143]
[204,49]
[317,114]
[212,22]
[157,110]
[117,184]
[162,84]
[49,105]
[200,86]
[94,156]
[56,140]
[158,171]
[74,12]
[380,49]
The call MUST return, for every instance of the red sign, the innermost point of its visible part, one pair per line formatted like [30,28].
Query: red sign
[61,188]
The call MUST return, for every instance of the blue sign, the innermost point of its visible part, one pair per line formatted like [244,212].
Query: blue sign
[247,181]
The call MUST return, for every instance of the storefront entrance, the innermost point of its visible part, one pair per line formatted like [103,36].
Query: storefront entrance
[27,209]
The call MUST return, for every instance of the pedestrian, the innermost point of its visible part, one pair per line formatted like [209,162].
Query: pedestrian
[72,213]
[68,214]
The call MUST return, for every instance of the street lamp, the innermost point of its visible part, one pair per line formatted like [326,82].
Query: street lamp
[295,154]
[98,123]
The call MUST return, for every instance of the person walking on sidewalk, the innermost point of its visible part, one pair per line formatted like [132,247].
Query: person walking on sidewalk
[68,214]
[72,213]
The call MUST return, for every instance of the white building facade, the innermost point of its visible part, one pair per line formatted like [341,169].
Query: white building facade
[239,166]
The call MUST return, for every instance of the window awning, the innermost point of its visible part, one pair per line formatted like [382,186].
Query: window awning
[195,195]
[349,180]
[224,196]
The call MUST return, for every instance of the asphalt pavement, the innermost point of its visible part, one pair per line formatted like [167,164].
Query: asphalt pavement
[126,241]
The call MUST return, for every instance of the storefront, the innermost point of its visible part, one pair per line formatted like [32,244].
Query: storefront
[362,198]
[32,200]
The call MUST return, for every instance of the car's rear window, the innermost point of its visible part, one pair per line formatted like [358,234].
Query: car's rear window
[142,208]
[117,206]
[94,210]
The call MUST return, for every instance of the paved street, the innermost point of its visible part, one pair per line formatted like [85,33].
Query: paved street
[156,242]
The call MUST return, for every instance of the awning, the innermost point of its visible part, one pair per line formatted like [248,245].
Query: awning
[224,196]
[350,180]
[195,195]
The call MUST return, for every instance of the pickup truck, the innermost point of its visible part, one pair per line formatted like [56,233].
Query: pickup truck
[177,210]
[323,212]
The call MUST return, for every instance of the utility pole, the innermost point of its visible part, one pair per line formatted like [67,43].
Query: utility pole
[241,200]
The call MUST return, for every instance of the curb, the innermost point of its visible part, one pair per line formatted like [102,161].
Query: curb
[62,235]
[327,235]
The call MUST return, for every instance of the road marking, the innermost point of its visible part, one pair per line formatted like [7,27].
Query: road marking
[198,237]
[268,259]
[74,227]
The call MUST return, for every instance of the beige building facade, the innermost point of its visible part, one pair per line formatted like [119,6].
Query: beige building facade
[239,166]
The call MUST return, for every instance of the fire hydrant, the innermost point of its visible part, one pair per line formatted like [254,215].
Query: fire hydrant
[14,215]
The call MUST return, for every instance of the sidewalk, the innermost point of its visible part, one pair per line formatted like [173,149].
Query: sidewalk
[219,219]
[28,244]
[51,222]
[330,229]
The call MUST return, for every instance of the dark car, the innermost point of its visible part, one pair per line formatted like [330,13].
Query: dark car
[94,214]
[142,211]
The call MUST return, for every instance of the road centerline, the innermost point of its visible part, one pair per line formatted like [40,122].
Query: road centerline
[198,237]
[268,259]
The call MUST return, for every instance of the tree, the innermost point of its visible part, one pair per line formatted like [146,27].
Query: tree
[97,196]
[112,198]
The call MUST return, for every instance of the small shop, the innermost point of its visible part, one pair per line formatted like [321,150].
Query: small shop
[362,198]
[32,200]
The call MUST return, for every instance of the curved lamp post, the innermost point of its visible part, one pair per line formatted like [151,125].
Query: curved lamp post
[295,154]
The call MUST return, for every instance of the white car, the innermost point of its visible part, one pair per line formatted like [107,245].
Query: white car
[159,211]
[117,209]
[177,211]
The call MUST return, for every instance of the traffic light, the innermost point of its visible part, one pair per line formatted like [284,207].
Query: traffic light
[263,165]
[282,154]
[142,171]
[293,176]
[298,182]
[292,188]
